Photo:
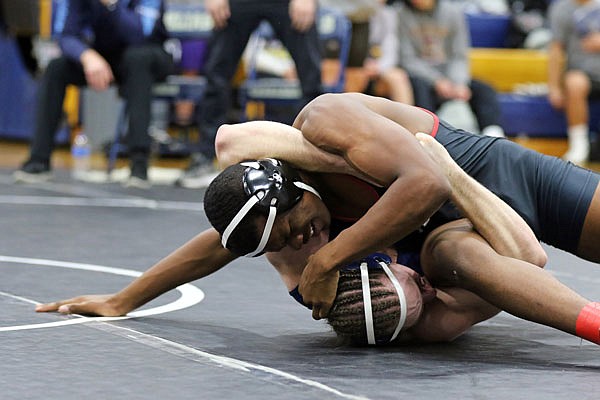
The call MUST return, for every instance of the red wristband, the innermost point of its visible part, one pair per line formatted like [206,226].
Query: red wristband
[588,323]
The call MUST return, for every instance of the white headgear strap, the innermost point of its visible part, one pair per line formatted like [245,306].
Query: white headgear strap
[364,276]
[270,219]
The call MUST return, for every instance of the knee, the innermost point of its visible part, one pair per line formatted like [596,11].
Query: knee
[577,84]
[396,77]
[482,89]
[57,67]
[135,58]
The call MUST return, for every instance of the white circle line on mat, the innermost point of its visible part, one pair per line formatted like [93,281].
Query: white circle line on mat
[189,294]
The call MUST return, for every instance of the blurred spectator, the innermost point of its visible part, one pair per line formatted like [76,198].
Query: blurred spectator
[359,13]
[269,57]
[193,58]
[386,78]
[21,20]
[529,25]
[294,24]
[434,44]
[102,41]
[380,68]
[574,70]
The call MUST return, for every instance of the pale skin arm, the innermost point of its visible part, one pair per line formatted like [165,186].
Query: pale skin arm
[199,257]
[505,275]
[456,256]
[456,309]
[491,217]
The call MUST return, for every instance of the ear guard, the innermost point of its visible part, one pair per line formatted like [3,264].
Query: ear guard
[372,262]
[272,187]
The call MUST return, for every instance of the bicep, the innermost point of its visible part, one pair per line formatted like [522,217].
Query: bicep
[367,132]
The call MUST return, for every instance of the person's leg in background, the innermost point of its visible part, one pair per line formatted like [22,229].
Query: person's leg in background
[304,47]
[577,88]
[139,69]
[25,43]
[424,94]
[485,106]
[359,50]
[225,50]
[51,94]
[398,85]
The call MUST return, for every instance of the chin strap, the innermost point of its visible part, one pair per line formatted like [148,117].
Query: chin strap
[258,196]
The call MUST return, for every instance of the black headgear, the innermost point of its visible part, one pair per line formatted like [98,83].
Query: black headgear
[272,187]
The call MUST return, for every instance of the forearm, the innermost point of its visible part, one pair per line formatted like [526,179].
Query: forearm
[72,47]
[260,139]
[500,225]
[403,209]
[196,259]
[496,221]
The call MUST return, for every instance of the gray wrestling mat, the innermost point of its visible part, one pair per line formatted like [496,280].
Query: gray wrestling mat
[236,334]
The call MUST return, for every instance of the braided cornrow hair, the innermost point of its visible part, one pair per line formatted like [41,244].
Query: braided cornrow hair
[347,316]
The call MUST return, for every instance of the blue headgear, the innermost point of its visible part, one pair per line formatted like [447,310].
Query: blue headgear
[272,187]
[379,261]
[372,262]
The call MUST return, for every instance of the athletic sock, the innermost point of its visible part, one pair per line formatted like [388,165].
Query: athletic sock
[588,323]
[493,131]
[579,144]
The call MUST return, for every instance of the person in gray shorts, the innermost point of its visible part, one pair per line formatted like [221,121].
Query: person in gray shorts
[576,80]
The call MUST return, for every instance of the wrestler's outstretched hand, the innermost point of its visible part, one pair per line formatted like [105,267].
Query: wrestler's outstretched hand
[96,305]
[437,152]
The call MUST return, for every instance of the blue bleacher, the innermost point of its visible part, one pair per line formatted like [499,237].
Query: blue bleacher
[488,30]
[530,115]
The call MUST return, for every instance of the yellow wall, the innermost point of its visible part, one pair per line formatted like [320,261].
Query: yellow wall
[505,68]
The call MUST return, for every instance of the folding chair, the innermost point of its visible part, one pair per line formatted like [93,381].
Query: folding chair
[334,29]
[184,22]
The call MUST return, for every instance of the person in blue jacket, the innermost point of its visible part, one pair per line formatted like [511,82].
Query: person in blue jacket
[102,42]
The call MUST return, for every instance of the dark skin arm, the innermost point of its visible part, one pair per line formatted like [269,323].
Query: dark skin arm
[370,134]
[199,257]
[368,137]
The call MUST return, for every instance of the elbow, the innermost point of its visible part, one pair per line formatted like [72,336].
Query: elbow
[535,254]
[437,188]
[225,149]
[430,193]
